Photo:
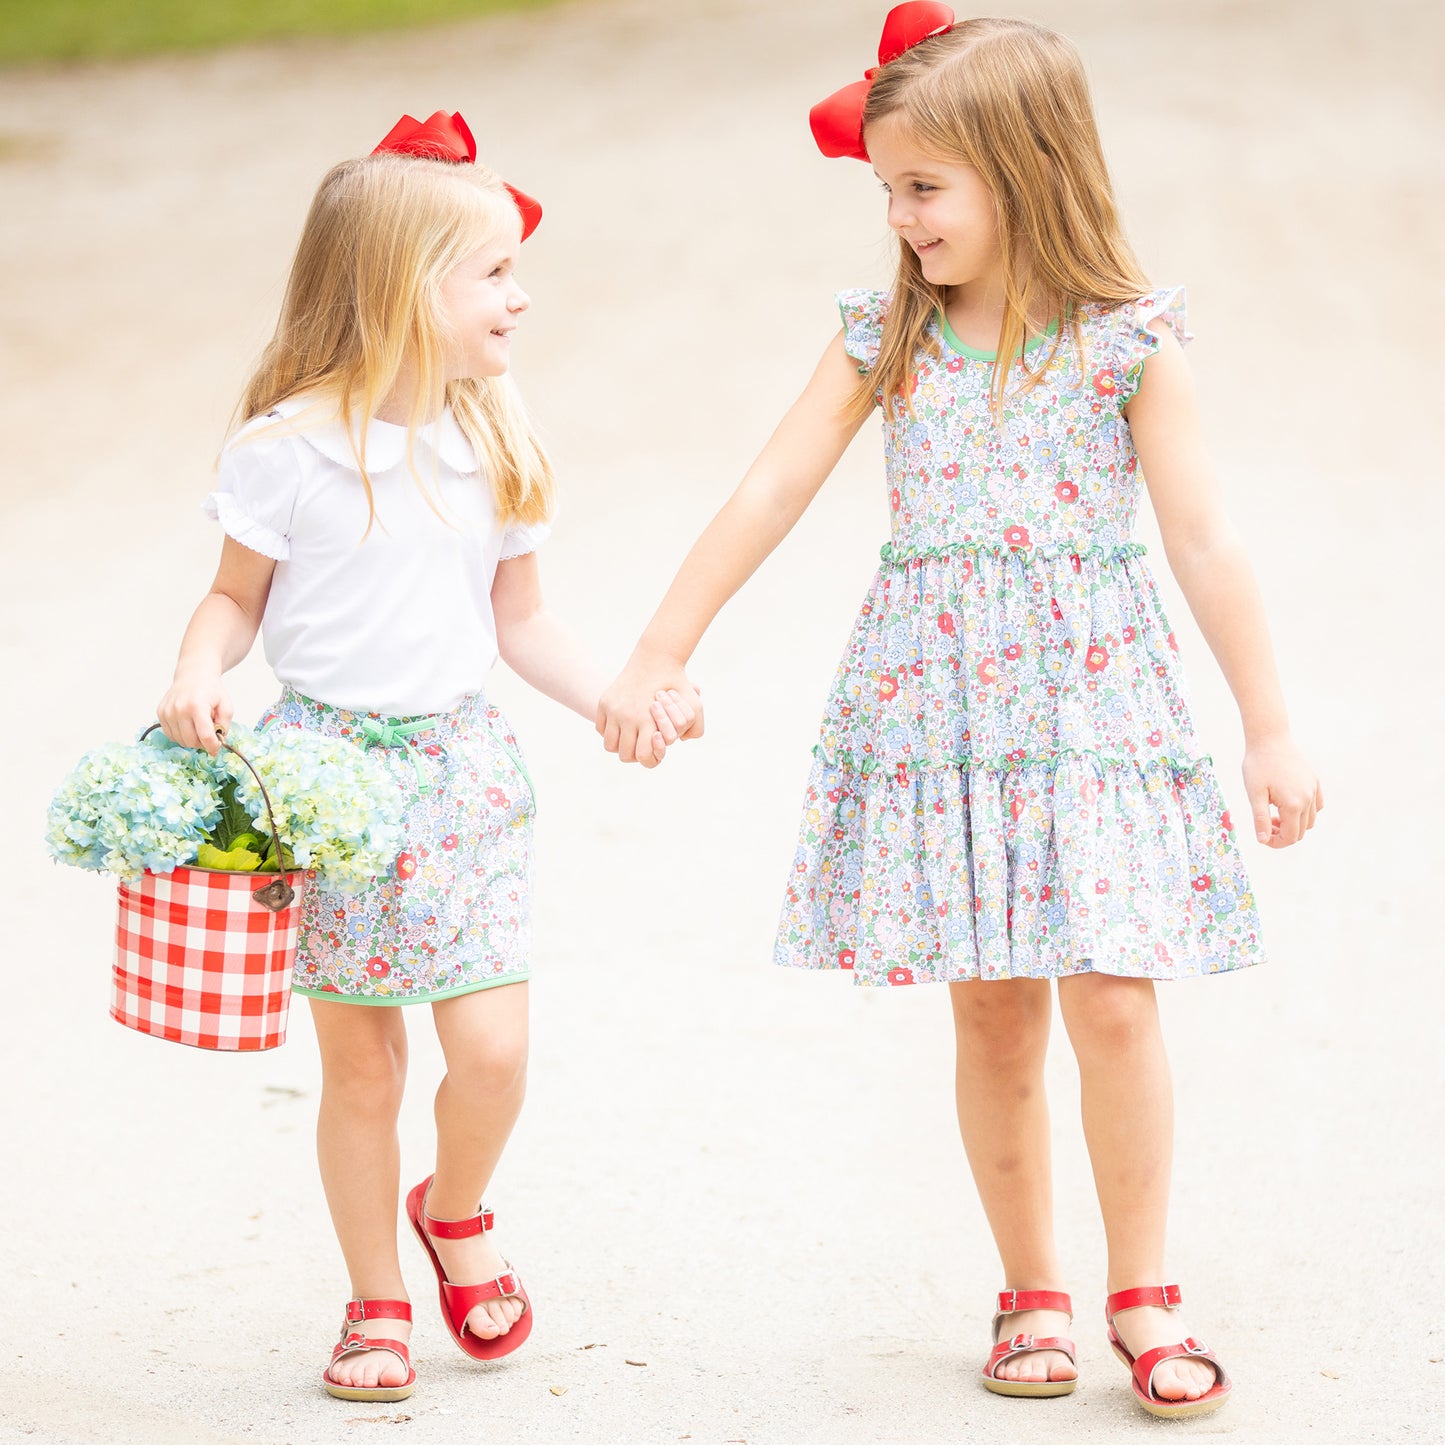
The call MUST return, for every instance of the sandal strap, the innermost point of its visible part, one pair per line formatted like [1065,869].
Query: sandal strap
[1150,1361]
[377,1309]
[479,1223]
[1026,1344]
[1012,1300]
[1161,1296]
[462,1298]
[360,1344]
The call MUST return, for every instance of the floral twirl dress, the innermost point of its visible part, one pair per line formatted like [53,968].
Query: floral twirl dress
[1007,782]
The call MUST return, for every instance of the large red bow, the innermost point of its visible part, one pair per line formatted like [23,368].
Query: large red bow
[838,121]
[443,137]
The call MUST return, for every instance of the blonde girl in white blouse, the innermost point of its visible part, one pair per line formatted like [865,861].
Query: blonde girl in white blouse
[382,503]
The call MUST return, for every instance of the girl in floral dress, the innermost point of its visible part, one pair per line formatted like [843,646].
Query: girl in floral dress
[1007,788]
[382,505]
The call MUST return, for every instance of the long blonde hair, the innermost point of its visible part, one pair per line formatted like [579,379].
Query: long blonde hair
[363,300]
[1010,99]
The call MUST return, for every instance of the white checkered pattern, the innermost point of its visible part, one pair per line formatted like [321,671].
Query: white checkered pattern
[199,961]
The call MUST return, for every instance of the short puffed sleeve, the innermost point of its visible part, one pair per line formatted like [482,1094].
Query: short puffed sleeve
[257,484]
[862,312]
[1135,343]
[523,537]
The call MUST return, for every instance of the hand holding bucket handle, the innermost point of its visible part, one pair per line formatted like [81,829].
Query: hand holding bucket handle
[278,893]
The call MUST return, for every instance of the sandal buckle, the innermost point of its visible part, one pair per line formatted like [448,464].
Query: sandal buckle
[355,1311]
[1173,1296]
[1021,1342]
[1008,1301]
[507,1282]
[1196,1347]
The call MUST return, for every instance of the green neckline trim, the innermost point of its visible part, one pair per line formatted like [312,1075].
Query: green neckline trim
[895,556]
[847,761]
[950,338]
[411,998]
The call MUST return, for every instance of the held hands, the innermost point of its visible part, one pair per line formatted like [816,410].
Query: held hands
[194,711]
[1284,792]
[650,706]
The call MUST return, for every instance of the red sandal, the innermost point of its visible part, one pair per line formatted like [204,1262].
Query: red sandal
[1141,1370]
[1011,1301]
[458,1300]
[354,1342]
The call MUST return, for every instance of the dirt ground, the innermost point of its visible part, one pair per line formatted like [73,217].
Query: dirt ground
[737,1197]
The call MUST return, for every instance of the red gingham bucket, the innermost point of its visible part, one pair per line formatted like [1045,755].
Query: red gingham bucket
[199,961]
[204,957]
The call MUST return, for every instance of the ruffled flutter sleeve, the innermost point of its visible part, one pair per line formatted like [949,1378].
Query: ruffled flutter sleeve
[1136,343]
[862,312]
[257,484]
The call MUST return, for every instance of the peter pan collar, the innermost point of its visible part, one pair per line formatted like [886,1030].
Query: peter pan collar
[385,442]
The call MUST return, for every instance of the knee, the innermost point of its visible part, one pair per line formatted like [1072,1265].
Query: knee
[1002,1023]
[1108,1014]
[494,1067]
[368,1079]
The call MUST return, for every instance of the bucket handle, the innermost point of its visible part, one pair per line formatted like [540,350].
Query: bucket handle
[278,893]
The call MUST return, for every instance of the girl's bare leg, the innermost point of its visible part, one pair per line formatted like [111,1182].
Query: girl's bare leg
[363,1073]
[1002,1031]
[484,1038]
[1128,1108]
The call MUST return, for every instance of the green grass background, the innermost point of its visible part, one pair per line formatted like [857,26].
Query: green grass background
[38,30]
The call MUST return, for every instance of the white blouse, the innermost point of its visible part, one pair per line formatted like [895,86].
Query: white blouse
[396,621]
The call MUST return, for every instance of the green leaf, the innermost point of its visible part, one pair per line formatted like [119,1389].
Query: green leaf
[235,823]
[235,860]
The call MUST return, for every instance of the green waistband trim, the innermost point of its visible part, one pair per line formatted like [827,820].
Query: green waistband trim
[867,763]
[895,556]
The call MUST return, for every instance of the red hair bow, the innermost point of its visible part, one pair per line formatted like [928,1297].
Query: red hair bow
[443,137]
[838,121]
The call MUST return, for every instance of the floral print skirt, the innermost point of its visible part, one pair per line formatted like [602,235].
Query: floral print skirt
[454,913]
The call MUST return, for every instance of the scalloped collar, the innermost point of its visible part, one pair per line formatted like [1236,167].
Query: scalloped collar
[384,445]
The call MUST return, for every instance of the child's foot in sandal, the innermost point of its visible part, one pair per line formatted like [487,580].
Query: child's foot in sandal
[372,1361]
[1032,1353]
[1172,1372]
[471,1260]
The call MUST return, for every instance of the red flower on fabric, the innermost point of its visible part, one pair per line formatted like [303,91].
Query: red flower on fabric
[1228,823]
[887,688]
[895,499]
[1161,953]
[1096,659]
[900,975]
[1017,536]
[847,958]
[1015,808]
[329,988]
[1155,738]
[965,569]
[945,623]
[1104,381]
[449,842]
[1066,492]
[955,363]
[951,470]
[496,797]
[1013,652]
[1173,645]
[378,967]
[1129,634]
[1102,886]
[432,750]
[988,670]
[1056,609]
[1203,883]
[1045,893]
[1016,756]
[405,866]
